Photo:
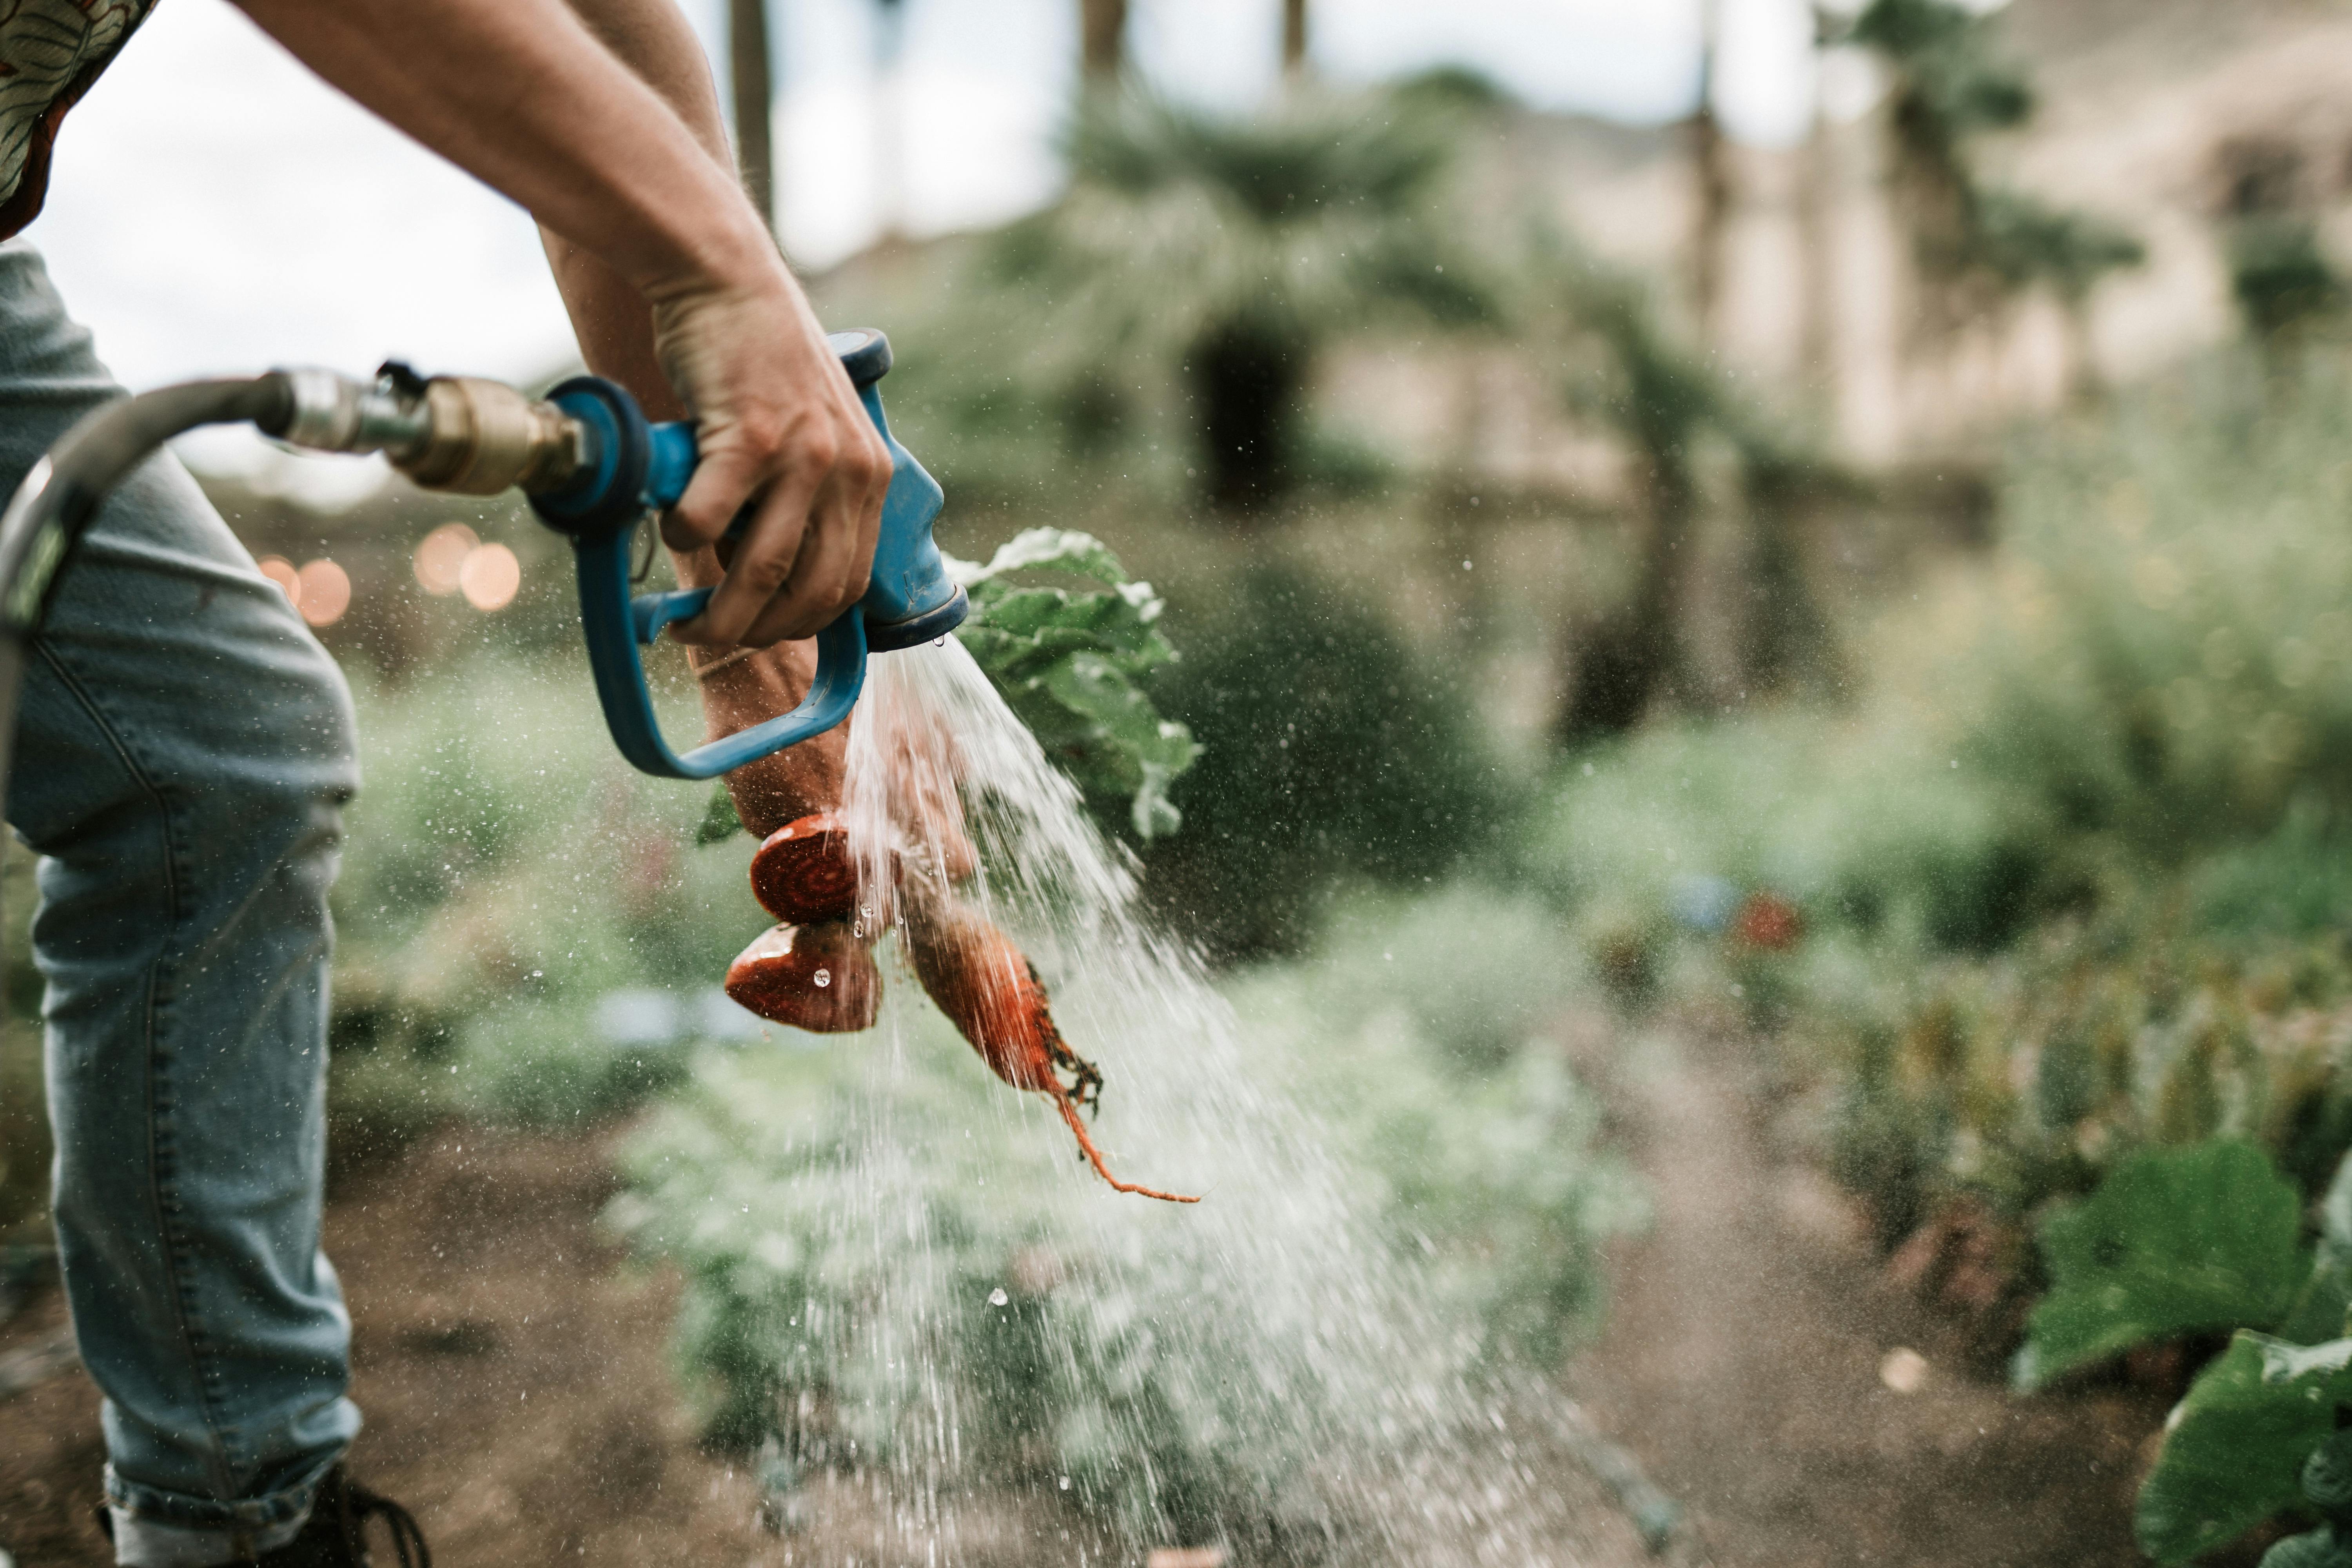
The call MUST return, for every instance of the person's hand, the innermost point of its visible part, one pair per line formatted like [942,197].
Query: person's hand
[777,426]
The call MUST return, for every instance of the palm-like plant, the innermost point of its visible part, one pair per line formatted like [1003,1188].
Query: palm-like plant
[1974,244]
[1229,252]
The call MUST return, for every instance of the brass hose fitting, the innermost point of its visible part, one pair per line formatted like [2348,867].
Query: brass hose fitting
[483,437]
[457,433]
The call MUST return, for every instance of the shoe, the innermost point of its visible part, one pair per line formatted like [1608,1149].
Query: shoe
[335,1535]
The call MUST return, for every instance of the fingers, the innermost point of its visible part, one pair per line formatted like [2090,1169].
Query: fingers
[836,558]
[726,473]
[763,562]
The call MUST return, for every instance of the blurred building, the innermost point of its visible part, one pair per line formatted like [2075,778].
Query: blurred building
[2179,122]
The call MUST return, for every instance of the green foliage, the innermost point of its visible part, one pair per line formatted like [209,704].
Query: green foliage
[1952,84]
[1071,666]
[2160,654]
[1217,255]
[1180,226]
[505,872]
[1944,52]
[2239,1442]
[2024,241]
[1330,751]
[2176,1241]
[2280,276]
[1419,1026]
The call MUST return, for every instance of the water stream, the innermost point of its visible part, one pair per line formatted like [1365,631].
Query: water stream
[1265,1370]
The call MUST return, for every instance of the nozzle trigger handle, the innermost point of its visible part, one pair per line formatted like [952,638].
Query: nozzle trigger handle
[632,467]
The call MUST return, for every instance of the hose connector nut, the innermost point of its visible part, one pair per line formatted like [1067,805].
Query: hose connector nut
[483,437]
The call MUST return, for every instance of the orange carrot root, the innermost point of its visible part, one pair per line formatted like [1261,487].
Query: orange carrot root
[819,978]
[1094,1156]
[803,873]
[987,986]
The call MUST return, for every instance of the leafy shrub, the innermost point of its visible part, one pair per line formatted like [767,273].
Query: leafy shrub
[1328,751]
[2160,653]
[2174,1242]
[2199,1239]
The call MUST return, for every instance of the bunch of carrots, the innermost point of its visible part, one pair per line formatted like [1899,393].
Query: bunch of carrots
[815,969]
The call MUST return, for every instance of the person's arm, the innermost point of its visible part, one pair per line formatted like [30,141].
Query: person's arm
[615,327]
[520,94]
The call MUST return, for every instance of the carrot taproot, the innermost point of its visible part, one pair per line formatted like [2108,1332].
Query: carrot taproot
[804,872]
[988,988]
[817,977]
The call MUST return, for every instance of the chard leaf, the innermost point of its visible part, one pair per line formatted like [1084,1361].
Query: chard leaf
[2234,1451]
[2175,1241]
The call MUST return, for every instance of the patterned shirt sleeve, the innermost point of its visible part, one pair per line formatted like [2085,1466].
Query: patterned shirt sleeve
[50,53]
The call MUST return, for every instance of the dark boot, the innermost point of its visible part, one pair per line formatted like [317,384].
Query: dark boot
[335,1535]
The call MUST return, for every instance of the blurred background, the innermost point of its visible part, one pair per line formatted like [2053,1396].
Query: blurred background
[1794,560]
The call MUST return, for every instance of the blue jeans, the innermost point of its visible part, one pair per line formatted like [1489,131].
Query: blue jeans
[183,756]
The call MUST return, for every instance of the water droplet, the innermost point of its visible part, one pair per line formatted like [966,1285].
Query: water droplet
[939,642]
[1066,1483]
[997,1298]
[858,929]
[823,978]
[1465,567]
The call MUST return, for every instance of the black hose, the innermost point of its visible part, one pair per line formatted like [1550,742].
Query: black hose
[59,498]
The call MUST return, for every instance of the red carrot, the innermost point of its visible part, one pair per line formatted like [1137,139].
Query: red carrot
[804,873]
[814,977]
[985,983]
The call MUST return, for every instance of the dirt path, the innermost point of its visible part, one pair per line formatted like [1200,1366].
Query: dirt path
[1742,1364]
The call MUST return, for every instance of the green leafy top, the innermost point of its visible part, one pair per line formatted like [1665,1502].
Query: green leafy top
[1069,665]
[2175,1241]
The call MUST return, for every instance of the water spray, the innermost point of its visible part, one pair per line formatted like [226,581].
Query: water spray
[595,469]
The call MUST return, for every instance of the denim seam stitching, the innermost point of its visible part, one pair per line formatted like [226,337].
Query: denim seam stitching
[163,1197]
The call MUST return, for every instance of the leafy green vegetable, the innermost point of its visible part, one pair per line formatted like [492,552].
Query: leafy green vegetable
[2239,1442]
[1069,666]
[2320,1313]
[719,822]
[2174,1241]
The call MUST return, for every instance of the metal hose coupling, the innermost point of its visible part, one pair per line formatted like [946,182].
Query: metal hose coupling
[459,433]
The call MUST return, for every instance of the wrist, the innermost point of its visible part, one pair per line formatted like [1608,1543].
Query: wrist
[736,257]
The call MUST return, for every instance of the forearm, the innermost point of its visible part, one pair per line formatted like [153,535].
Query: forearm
[674,283]
[609,317]
[523,95]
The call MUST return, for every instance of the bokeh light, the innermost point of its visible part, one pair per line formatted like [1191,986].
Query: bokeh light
[489,578]
[323,591]
[441,556]
[280,571]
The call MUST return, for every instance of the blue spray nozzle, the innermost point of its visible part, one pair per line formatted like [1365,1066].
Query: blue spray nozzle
[631,468]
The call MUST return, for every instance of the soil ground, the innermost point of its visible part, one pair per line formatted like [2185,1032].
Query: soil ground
[1742,1364]
[514,1375]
